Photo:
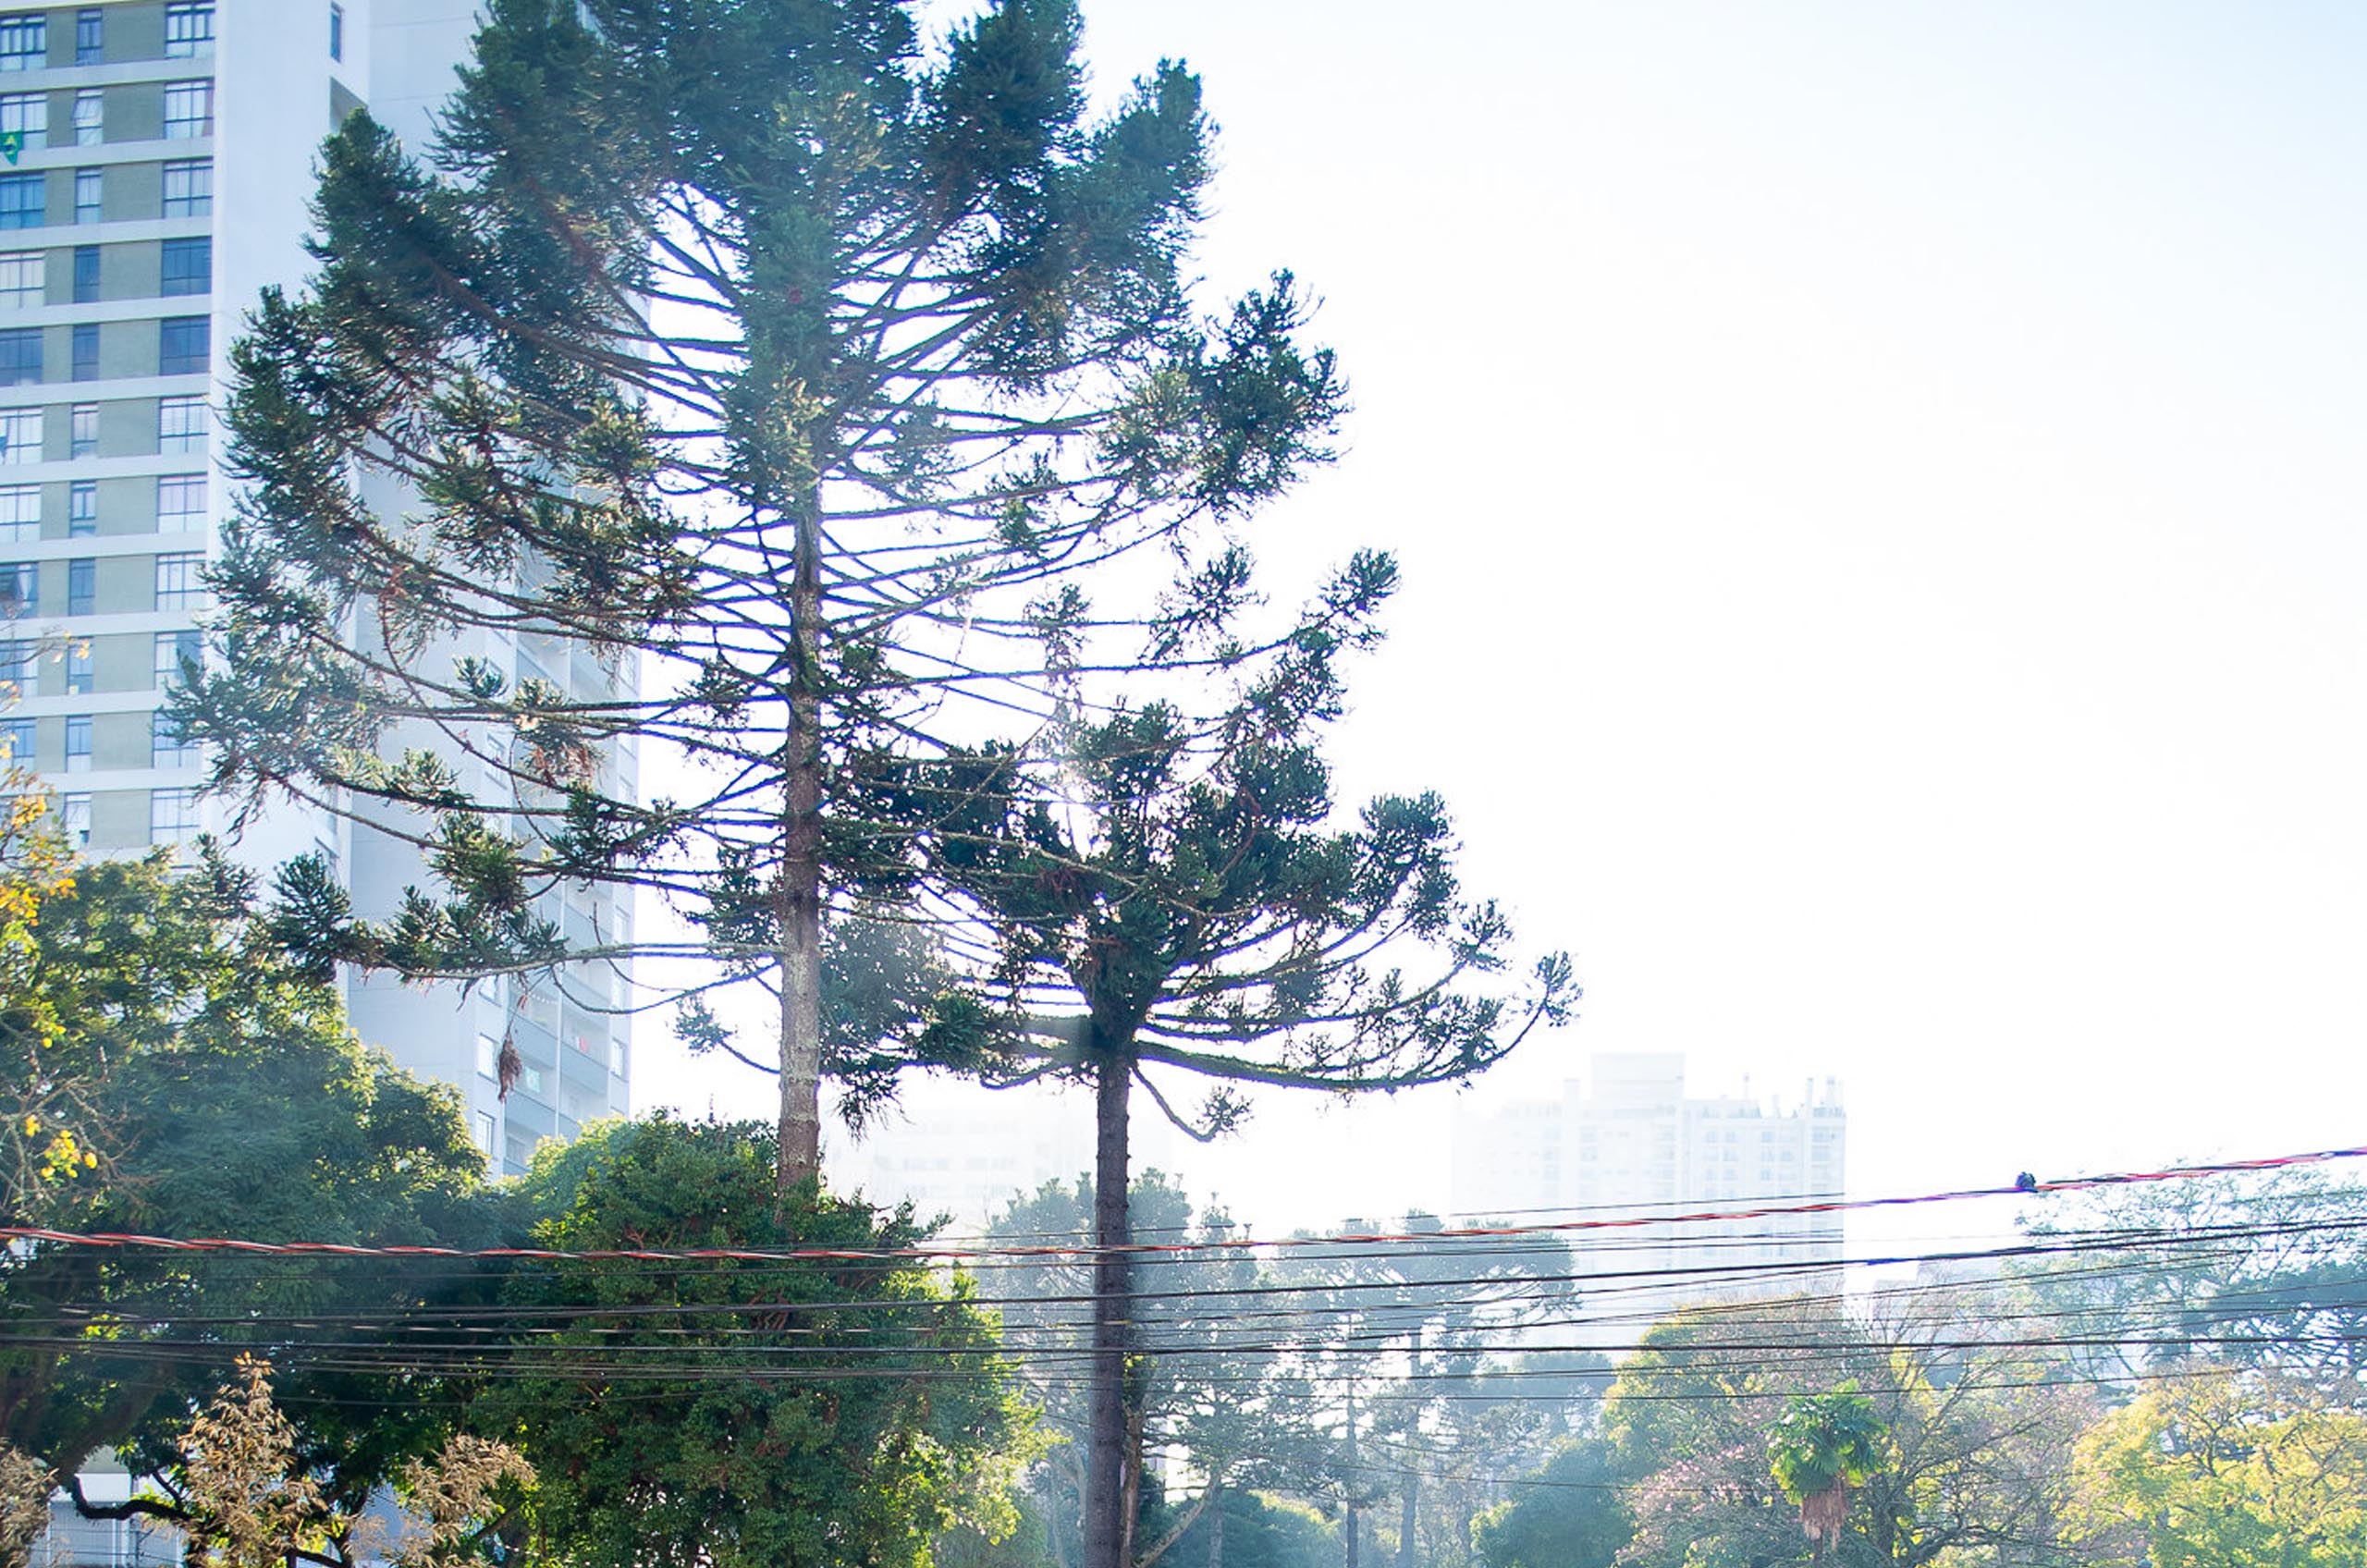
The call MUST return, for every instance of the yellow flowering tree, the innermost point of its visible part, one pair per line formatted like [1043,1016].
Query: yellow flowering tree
[2225,1471]
[53,1114]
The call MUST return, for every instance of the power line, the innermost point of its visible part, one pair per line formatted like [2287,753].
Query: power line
[123,1240]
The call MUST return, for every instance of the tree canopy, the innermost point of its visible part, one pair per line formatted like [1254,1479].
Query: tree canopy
[738,386]
[741,1415]
[234,1101]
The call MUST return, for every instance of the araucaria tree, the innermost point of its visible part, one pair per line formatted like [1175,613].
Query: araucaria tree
[755,344]
[1164,887]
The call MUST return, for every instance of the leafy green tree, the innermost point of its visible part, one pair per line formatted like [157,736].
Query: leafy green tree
[1165,888]
[2236,1470]
[1205,1383]
[2263,1271]
[741,1415]
[1568,1514]
[1980,1439]
[1438,1307]
[1028,1544]
[236,1104]
[1255,1529]
[761,346]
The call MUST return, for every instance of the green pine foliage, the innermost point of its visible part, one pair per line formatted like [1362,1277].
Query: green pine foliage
[782,362]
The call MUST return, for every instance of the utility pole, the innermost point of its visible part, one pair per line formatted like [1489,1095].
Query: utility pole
[1353,1483]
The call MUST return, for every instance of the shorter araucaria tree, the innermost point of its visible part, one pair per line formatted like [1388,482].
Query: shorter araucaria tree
[1165,889]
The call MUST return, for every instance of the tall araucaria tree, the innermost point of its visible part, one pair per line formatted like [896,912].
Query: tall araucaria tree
[1164,887]
[756,345]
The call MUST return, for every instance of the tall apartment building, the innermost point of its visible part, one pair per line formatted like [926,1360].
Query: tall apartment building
[1629,1143]
[156,162]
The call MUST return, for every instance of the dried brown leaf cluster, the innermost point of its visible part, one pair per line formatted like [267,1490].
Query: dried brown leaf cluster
[25,1487]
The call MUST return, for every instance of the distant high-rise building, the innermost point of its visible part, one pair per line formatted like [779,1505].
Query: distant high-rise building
[157,159]
[1630,1144]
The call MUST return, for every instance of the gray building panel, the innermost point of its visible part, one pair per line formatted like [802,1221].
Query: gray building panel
[128,269]
[134,32]
[136,111]
[134,193]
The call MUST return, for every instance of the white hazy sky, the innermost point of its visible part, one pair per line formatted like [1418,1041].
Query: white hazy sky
[1880,487]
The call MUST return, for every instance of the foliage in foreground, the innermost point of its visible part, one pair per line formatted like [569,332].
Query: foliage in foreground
[231,1100]
[2225,1471]
[744,1415]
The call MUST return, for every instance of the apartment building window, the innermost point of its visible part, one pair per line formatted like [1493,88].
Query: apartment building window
[488,1056]
[23,200]
[178,587]
[180,503]
[19,436]
[90,37]
[484,1133]
[24,280]
[82,585]
[188,110]
[17,735]
[90,195]
[182,425]
[24,42]
[27,115]
[86,274]
[172,815]
[89,117]
[82,431]
[86,350]
[189,189]
[81,679]
[74,816]
[174,650]
[21,669]
[336,31]
[82,508]
[188,267]
[20,513]
[77,743]
[20,355]
[189,30]
[165,746]
[19,588]
[183,345]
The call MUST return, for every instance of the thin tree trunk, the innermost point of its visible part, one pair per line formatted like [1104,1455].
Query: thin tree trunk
[1109,1527]
[1406,1516]
[800,871]
[1353,1482]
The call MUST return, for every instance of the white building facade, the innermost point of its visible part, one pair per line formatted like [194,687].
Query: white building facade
[1628,1143]
[157,158]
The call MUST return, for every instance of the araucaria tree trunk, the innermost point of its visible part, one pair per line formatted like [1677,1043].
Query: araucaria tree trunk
[801,868]
[1110,1459]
